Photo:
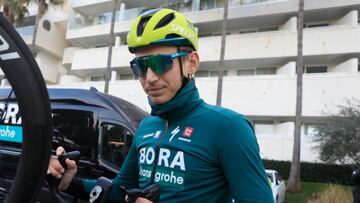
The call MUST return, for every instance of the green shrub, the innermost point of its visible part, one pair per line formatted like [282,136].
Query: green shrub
[315,172]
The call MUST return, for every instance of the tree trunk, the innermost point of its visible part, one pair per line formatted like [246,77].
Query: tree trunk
[222,54]
[41,10]
[294,177]
[8,15]
[111,41]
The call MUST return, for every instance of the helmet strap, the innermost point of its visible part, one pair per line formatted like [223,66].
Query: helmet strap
[184,80]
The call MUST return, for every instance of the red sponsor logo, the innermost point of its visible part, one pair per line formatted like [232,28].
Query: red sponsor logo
[188,131]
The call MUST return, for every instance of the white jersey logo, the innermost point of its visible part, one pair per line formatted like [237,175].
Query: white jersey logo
[174,132]
[147,155]
[4,46]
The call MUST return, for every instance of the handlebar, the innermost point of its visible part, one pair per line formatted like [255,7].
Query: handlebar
[97,195]
[151,193]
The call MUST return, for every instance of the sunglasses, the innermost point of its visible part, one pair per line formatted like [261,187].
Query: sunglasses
[159,63]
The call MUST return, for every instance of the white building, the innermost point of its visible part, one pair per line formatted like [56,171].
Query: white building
[50,41]
[261,49]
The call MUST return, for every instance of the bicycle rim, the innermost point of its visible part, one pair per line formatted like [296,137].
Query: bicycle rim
[23,73]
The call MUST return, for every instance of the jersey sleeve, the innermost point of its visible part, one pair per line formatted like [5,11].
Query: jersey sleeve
[127,177]
[240,160]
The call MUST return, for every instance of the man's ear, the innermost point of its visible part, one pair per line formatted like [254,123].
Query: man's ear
[193,62]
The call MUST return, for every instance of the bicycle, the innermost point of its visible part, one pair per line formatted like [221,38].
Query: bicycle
[23,74]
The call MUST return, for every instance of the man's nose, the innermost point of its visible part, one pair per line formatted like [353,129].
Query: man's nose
[151,76]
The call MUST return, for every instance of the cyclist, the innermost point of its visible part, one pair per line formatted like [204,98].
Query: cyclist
[193,151]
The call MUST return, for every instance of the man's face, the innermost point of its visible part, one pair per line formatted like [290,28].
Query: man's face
[161,88]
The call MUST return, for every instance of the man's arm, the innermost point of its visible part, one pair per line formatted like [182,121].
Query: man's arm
[127,177]
[242,165]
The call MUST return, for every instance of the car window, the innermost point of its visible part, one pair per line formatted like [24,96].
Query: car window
[73,130]
[278,176]
[116,142]
[270,176]
[134,113]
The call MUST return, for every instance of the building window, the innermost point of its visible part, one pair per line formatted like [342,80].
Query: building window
[210,4]
[257,71]
[268,29]
[264,126]
[309,129]
[316,69]
[215,73]
[311,25]
[248,31]
[266,71]
[262,29]
[245,72]
[202,73]
[184,6]
[126,77]
[205,34]
[97,78]
[220,33]
[46,25]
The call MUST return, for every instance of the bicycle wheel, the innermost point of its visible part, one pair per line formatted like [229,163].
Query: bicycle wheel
[23,74]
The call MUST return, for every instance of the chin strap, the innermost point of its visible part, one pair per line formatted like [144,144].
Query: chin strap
[185,80]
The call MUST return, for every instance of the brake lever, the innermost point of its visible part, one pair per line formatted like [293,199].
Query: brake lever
[74,155]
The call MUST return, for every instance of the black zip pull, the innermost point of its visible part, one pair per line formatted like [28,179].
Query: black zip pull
[166,124]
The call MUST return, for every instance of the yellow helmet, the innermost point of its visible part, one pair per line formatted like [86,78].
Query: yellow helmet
[162,26]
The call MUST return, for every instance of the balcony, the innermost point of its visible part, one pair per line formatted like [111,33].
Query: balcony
[50,34]
[268,97]
[90,26]
[89,23]
[93,61]
[90,31]
[263,49]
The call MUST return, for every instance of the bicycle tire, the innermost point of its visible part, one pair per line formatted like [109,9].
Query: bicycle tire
[23,74]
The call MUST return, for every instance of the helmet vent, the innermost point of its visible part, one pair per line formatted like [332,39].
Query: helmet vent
[142,24]
[172,36]
[165,21]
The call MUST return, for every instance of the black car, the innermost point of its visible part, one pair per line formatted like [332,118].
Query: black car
[98,125]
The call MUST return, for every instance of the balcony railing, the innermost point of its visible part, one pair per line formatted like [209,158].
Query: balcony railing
[78,20]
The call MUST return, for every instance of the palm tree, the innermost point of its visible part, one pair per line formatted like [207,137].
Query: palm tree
[222,54]
[111,41]
[14,10]
[294,177]
[42,8]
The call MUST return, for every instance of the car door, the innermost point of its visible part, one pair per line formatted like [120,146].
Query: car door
[281,187]
[75,129]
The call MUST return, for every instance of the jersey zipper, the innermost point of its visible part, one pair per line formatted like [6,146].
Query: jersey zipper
[166,123]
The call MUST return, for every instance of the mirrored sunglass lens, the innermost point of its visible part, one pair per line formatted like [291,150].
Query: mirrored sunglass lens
[160,64]
[138,67]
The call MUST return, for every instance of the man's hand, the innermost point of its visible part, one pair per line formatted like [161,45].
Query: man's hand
[56,170]
[139,200]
